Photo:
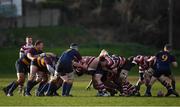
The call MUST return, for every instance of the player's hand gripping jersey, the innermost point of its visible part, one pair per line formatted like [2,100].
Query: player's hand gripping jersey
[45,63]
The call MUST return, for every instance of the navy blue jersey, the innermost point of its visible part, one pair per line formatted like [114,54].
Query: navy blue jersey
[163,61]
[70,55]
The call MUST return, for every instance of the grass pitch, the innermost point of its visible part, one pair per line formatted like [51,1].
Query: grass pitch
[84,97]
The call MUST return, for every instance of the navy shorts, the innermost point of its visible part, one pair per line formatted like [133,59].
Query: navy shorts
[21,67]
[157,74]
[64,67]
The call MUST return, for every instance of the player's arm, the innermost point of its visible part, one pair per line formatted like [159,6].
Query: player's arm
[21,52]
[174,62]
[77,64]
[31,56]
[50,68]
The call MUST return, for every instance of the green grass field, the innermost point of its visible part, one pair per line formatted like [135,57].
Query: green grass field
[84,97]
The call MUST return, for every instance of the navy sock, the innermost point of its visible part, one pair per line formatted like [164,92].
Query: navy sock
[148,90]
[10,85]
[44,88]
[50,89]
[69,86]
[57,87]
[64,88]
[40,86]
[138,87]
[173,85]
[30,85]
[13,87]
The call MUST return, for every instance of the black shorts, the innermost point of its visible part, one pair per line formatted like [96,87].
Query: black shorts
[43,69]
[64,67]
[21,67]
[157,74]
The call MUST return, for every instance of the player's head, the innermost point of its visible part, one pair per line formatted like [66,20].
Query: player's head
[74,46]
[168,47]
[29,40]
[39,45]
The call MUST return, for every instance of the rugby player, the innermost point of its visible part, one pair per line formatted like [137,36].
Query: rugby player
[40,68]
[120,66]
[22,67]
[145,70]
[162,71]
[64,68]
[23,50]
[26,47]
[104,77]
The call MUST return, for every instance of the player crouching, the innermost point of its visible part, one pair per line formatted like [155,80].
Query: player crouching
[40,68]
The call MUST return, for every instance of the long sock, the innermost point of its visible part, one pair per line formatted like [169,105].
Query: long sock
[40,86]
[148,89]
[44,88]
[69,86]
[138,87]
[173,85]
[64,88]
[50,89]
[13,87]
[30,85]
[57,87]
[10,85]
[54,89]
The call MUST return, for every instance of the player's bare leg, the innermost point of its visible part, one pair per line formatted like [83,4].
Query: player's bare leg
[99,85]
[11,87]
[148,90]
[165,81]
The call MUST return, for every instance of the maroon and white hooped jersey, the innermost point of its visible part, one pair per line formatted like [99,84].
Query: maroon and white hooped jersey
[24,49]
[143,62]
[87,59]
[115,61]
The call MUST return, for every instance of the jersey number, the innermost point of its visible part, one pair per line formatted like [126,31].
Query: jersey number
[164,58]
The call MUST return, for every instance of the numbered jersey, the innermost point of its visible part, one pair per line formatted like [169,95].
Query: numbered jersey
[163,61]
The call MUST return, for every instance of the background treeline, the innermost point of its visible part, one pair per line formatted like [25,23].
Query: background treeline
[105,21]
